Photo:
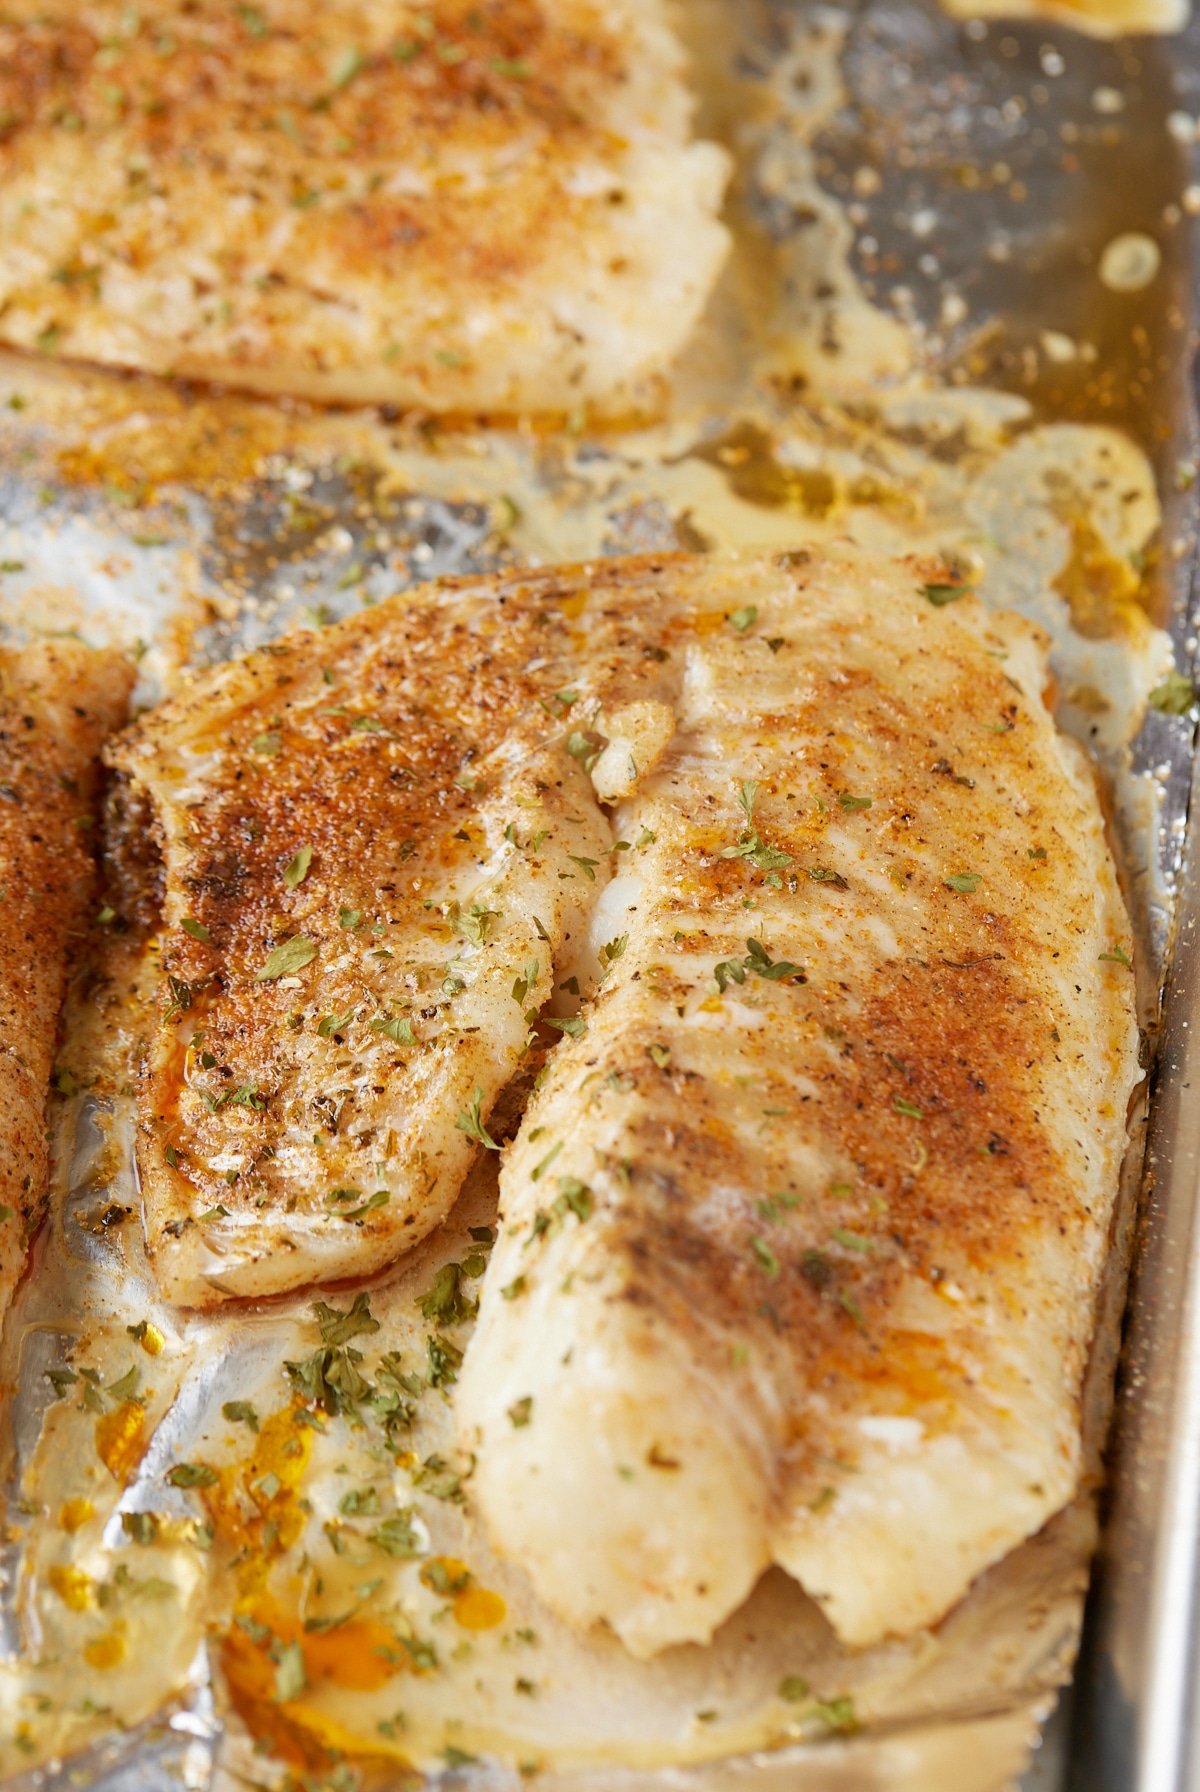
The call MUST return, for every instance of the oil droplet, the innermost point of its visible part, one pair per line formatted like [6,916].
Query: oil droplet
[72,1585]
[1130,262]
[73,1514]
[1100,589]
[254,1509]
[107,1651]
[121,1440]
[357,1655]
[746,455]
[477,1608]
[152,1340]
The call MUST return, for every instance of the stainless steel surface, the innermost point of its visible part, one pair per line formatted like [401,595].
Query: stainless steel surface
[1137,1719]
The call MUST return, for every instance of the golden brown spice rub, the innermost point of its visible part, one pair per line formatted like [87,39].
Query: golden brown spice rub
[469,204]
[58,700]
[378,838]
[802,1234]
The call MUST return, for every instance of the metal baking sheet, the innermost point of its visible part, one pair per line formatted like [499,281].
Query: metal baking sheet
[921,212]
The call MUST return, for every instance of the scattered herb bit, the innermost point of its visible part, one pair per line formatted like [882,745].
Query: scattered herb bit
[290,1676]
[266,745]
[470,1121]
[908,1107]
[444,1302]
[835,1714]
[539,1169]
[851,1241]
[396,1536]
[191,1474]
[587,866]
[438,1479]
[1175,696]
[525,982]
[1117,955]
[821,874]
[297,870]
[750,846]
[765,1257]
[181,997]
[758,962]
[330,1379]
[288,958]
[139,1527]
[361,1502]
[965,882]
[521,1411]
[472,923]
[348,63]
[744,618]
[349,917]
[445,1360]
[659,1054]
[337,1327]
[847,1301]
[614,949]
[240,1412]
[512,1289]
[573,1025]
[793,1688]
[941,595]
[575,1197]
[851,803]
[197,930]
[399,1030]
[335,1023]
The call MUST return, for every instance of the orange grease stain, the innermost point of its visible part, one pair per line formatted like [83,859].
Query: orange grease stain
[107,1651]
[73,1514]
[474,1607]
[253,1507]
[477,1608]
[121,1440]
[255,1513]
[358,1656]
[72,1585]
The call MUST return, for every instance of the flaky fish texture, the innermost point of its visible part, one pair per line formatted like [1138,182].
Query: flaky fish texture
[466,205]
[58,699]
[801,1238]
[377,841]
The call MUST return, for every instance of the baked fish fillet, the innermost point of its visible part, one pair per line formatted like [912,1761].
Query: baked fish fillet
[58,699]
[466,205]
[801,1239]
[378,839]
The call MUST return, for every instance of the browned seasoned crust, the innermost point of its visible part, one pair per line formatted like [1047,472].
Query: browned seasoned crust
[58,700]
[471,206]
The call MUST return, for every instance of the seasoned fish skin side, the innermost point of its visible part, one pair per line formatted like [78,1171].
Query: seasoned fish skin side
[472,206]
[58,699]
[376,839]
[810,1276]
